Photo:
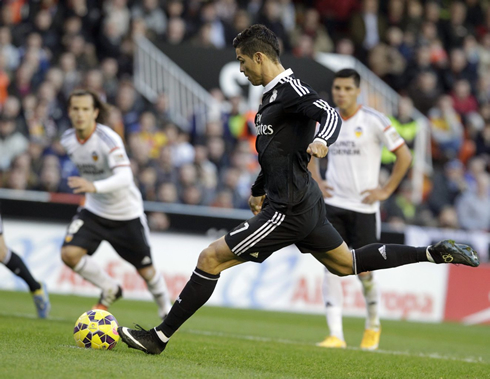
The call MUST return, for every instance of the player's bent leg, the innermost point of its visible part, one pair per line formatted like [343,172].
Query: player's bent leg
[338,261]
[71,255]
[158,288]
[217,257]
[212,260]
[87,267]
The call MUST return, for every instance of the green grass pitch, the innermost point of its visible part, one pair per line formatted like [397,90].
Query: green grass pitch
[233,343]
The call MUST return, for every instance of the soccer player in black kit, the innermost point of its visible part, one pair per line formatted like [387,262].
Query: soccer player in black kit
[287,203]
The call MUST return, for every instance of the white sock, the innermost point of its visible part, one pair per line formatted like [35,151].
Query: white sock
[428,255]
[371,295]
[160,335]
[88,269]
[158,289]
[333,298]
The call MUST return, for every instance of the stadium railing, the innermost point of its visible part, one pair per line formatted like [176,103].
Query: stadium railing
[155,73]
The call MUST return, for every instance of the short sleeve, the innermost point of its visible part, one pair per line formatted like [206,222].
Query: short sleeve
[387,133]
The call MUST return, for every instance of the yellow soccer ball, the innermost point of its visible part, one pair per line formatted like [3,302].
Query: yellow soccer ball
[96,329]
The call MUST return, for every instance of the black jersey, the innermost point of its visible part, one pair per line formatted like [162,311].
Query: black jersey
[285,124]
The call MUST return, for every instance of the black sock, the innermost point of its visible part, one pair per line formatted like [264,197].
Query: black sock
[377,256]
[195,294]
[18,267]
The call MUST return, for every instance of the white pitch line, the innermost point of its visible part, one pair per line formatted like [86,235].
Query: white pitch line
[290,342]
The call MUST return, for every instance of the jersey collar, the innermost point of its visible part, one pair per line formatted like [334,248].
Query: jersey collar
[82,141]
[274,81]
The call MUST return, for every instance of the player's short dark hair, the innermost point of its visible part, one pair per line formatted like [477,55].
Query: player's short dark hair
[258,38]
[349,73]
[98,103]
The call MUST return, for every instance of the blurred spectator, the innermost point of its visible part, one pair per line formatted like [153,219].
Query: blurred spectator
[413,20]
[483,142]
[154,17]
[447,185]
[424,91]
[118,15]
[463,101]
[458,69]
[455,29]
[176,31]
[270,16]
[110,83]
[240,22]
[8,50]
[43,23]
[178,142]
[152,138]
[50,178]
[396,14]
[147,183]
[405,125]
[192,195]
[212,29]
[473,207]
[387,63]
[312,28]
[72,77]
[367,27]
[12,142]
[166,170]
[400,205]
[448,218]
[167,193]
[336,15]
[446,127]
[420,64]
[345,46]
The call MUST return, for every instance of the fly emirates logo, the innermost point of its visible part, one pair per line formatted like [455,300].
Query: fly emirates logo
[261,128]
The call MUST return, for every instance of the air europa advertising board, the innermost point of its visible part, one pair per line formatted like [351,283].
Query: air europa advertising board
[287,281]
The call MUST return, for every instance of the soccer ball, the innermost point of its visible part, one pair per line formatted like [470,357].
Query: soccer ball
[96,329]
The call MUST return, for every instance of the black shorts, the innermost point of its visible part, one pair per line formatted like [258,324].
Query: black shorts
[257,238]
[128,238]
[357,229]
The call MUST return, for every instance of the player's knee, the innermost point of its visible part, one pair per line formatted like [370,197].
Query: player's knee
[207,259]
[147,273]
[70,256]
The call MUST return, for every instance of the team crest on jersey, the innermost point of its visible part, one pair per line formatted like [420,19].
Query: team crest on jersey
[274,96]
[95,157]
[358,131]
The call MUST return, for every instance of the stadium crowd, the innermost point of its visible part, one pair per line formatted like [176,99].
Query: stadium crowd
[436,54]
